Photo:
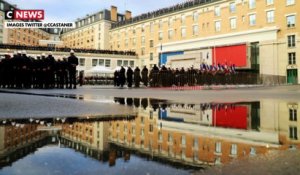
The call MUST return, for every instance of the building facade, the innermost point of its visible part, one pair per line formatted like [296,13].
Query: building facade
[256,35]
[91,32]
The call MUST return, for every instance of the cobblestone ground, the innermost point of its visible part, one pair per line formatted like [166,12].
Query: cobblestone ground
[273,163]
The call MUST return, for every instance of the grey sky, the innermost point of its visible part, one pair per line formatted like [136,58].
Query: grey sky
[69,10]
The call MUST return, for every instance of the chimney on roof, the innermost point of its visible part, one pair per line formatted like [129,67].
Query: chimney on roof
[113,13]
[127,15]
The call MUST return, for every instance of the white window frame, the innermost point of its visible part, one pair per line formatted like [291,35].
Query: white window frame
[252,22]
[231,23]
[270,19]
[218,26]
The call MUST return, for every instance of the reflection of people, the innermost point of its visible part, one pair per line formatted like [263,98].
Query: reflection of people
[144,103]
[112,158]
[81,75]
[126,156]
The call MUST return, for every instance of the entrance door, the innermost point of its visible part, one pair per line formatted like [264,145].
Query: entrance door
[292,76]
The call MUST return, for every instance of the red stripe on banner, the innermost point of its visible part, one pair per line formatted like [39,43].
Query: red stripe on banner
[230,55]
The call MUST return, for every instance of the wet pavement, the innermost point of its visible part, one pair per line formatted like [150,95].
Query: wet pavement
[182,134]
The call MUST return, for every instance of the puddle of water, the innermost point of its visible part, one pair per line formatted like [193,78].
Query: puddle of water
[164,138]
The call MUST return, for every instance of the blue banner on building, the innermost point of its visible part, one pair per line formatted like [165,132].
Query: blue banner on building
[164,56]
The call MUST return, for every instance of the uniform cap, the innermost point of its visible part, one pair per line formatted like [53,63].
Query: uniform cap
[50,53]
[19,52]
[43,54]
[72,51]
[15,52]
[24,52]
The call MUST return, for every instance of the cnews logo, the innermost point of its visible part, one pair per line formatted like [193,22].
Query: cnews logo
[24,15]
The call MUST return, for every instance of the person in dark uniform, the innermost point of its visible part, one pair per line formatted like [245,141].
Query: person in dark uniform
[122,76]
[154,76]
[73,61]
[145,76]
[50,71]
[137,77]
[129,75]
[6,71]
[116,78]
[65,72]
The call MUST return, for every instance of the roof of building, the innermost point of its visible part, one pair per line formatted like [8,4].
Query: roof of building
[175,8]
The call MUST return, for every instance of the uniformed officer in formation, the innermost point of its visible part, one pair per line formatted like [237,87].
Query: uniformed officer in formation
[23,71]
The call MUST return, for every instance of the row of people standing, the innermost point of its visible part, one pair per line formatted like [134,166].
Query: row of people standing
[167,77]
[44,72]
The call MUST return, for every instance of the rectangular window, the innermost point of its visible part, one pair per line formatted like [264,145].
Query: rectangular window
[233,23]
[217,11]
[252,20]
[218,26]
[293,114]
[170,34]
[142,28]
[270,2]
[143,40]
[126,42]
[143,51]
[270,16]
[232,7]
[119,63]
[291,21]
[290,2]
[151,43]
[151,27]
[107,63]
[94,62]
[195,30]
[195,143]
[182,19]
[151,128]
[233,150]
[252,4]
[160,137]
[291,41]
[160,24]
[170,139]
[160,36]
[151,56]
[183,32]
[134,41]
[81,62]
[170,22]
[292,58]
[125,63]
[101,62]
[2,6]
[293,132]
[195,17]
[183,140]
[131,63]
[218,147]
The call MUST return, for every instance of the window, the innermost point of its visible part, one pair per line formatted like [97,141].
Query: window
[182,140]
[269,2]
[170,139]
[217,11]
[233,23]
[101,62]
[133,41]
[151,27]
[151,128]
[1,6]
[291,21]
[183,32]
[252,20]
[143,40]
[232,7]
[218,147]
[142,28]
[143,51]
[233,150]
[81,62]
[182,19]
[107,63]
[293,114]
[252,151]
[94,62]
[170,22]
[151,56]
[195,30]
[195,143]
[160,36]
[125,63]
[160,137]
[270,16]
[195,16]
[291,41]
[151,43]
[290,2]
[119,63]
[292,58]
[126,42]
[170,34]
[131,63]
[252,4]
[160,24]
[218,26]
[293,132]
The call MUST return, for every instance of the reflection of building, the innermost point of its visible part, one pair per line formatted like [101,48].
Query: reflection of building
[19,140]
[225,132]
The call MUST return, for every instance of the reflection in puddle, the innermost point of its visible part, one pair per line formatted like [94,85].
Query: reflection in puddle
[184,137]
